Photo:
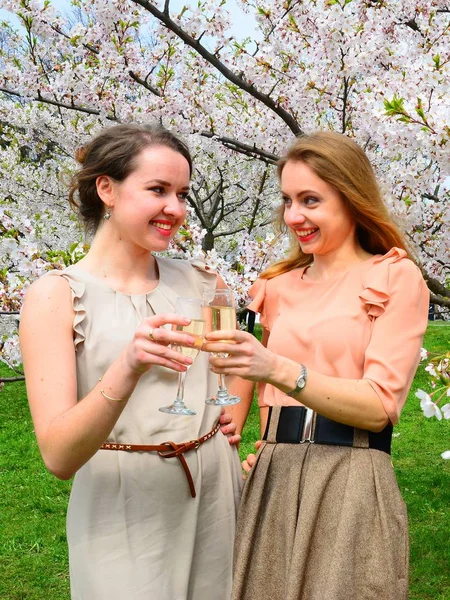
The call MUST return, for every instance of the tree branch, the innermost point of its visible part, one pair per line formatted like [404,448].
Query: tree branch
[164,18]
[91,48]
[142,82]
[198,209]
[439,300]
[412,24]
[431,197]
[218,201]
[287,11]
[258,200]
[61,32]
[247,149]
[216,235]
[344,108]
[436,287]
[251,151]
[72,106]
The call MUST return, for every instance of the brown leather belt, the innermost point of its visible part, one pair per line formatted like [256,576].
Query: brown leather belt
[167,450]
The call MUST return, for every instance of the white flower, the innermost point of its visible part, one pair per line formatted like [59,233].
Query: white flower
[429,408]
[446,455]
[422,395]
[431,370]
[446,411]
[423,354]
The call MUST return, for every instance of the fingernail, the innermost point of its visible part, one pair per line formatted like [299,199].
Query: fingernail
[191,340]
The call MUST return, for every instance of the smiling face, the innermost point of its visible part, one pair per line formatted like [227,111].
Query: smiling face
[315,211]
[149,206]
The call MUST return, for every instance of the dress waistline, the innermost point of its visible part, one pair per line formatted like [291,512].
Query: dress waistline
[168,450]
[298,424]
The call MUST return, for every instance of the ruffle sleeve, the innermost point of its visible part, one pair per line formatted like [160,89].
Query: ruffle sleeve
[77,288]
[375,294]
[258,304]
[396,299]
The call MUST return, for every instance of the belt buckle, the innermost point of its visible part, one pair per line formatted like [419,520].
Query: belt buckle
[308,427]
[196,444]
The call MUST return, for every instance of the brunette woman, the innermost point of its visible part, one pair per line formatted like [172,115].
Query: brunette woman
[153,503]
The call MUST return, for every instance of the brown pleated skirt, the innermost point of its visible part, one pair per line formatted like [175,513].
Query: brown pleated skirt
[320,522]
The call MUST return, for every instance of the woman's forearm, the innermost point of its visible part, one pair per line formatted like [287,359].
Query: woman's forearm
[349,401]
[74,436]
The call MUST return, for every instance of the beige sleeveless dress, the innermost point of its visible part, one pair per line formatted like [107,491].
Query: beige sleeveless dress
[133,529]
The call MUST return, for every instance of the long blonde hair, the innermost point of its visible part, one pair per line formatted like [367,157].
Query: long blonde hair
[341,163]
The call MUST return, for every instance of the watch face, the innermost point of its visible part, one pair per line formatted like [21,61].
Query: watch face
[300,383]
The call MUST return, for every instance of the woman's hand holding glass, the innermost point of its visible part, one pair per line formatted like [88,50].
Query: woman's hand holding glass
[192,311]
[154,344]
[235,352]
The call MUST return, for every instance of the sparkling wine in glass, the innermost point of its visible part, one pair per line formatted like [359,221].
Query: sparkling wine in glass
[192,308]
[221,316]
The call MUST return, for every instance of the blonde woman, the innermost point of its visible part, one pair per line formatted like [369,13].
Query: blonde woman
[321,517]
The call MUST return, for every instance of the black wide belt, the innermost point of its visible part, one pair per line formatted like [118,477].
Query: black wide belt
[297,424]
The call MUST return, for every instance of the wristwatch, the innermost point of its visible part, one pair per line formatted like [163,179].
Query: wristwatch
[300,383]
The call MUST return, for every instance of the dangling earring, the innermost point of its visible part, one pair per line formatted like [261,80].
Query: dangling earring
[107,214]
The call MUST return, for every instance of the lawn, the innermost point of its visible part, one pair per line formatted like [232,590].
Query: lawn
[33,553]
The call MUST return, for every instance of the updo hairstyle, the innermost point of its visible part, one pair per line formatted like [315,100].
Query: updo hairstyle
[113,153]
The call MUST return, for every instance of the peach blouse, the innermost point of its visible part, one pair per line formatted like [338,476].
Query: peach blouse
[366,323]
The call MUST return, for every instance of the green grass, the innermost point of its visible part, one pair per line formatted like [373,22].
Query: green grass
[33,552]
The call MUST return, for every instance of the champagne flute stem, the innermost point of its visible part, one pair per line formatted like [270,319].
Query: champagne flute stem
[222,391]
[180,392]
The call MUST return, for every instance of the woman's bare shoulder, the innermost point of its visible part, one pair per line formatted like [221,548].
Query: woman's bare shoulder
[49,293]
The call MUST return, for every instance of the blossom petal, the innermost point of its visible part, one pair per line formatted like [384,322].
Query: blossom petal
[446,411]
[422,395]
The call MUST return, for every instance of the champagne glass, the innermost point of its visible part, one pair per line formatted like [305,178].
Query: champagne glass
[192,308]
[222,315]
